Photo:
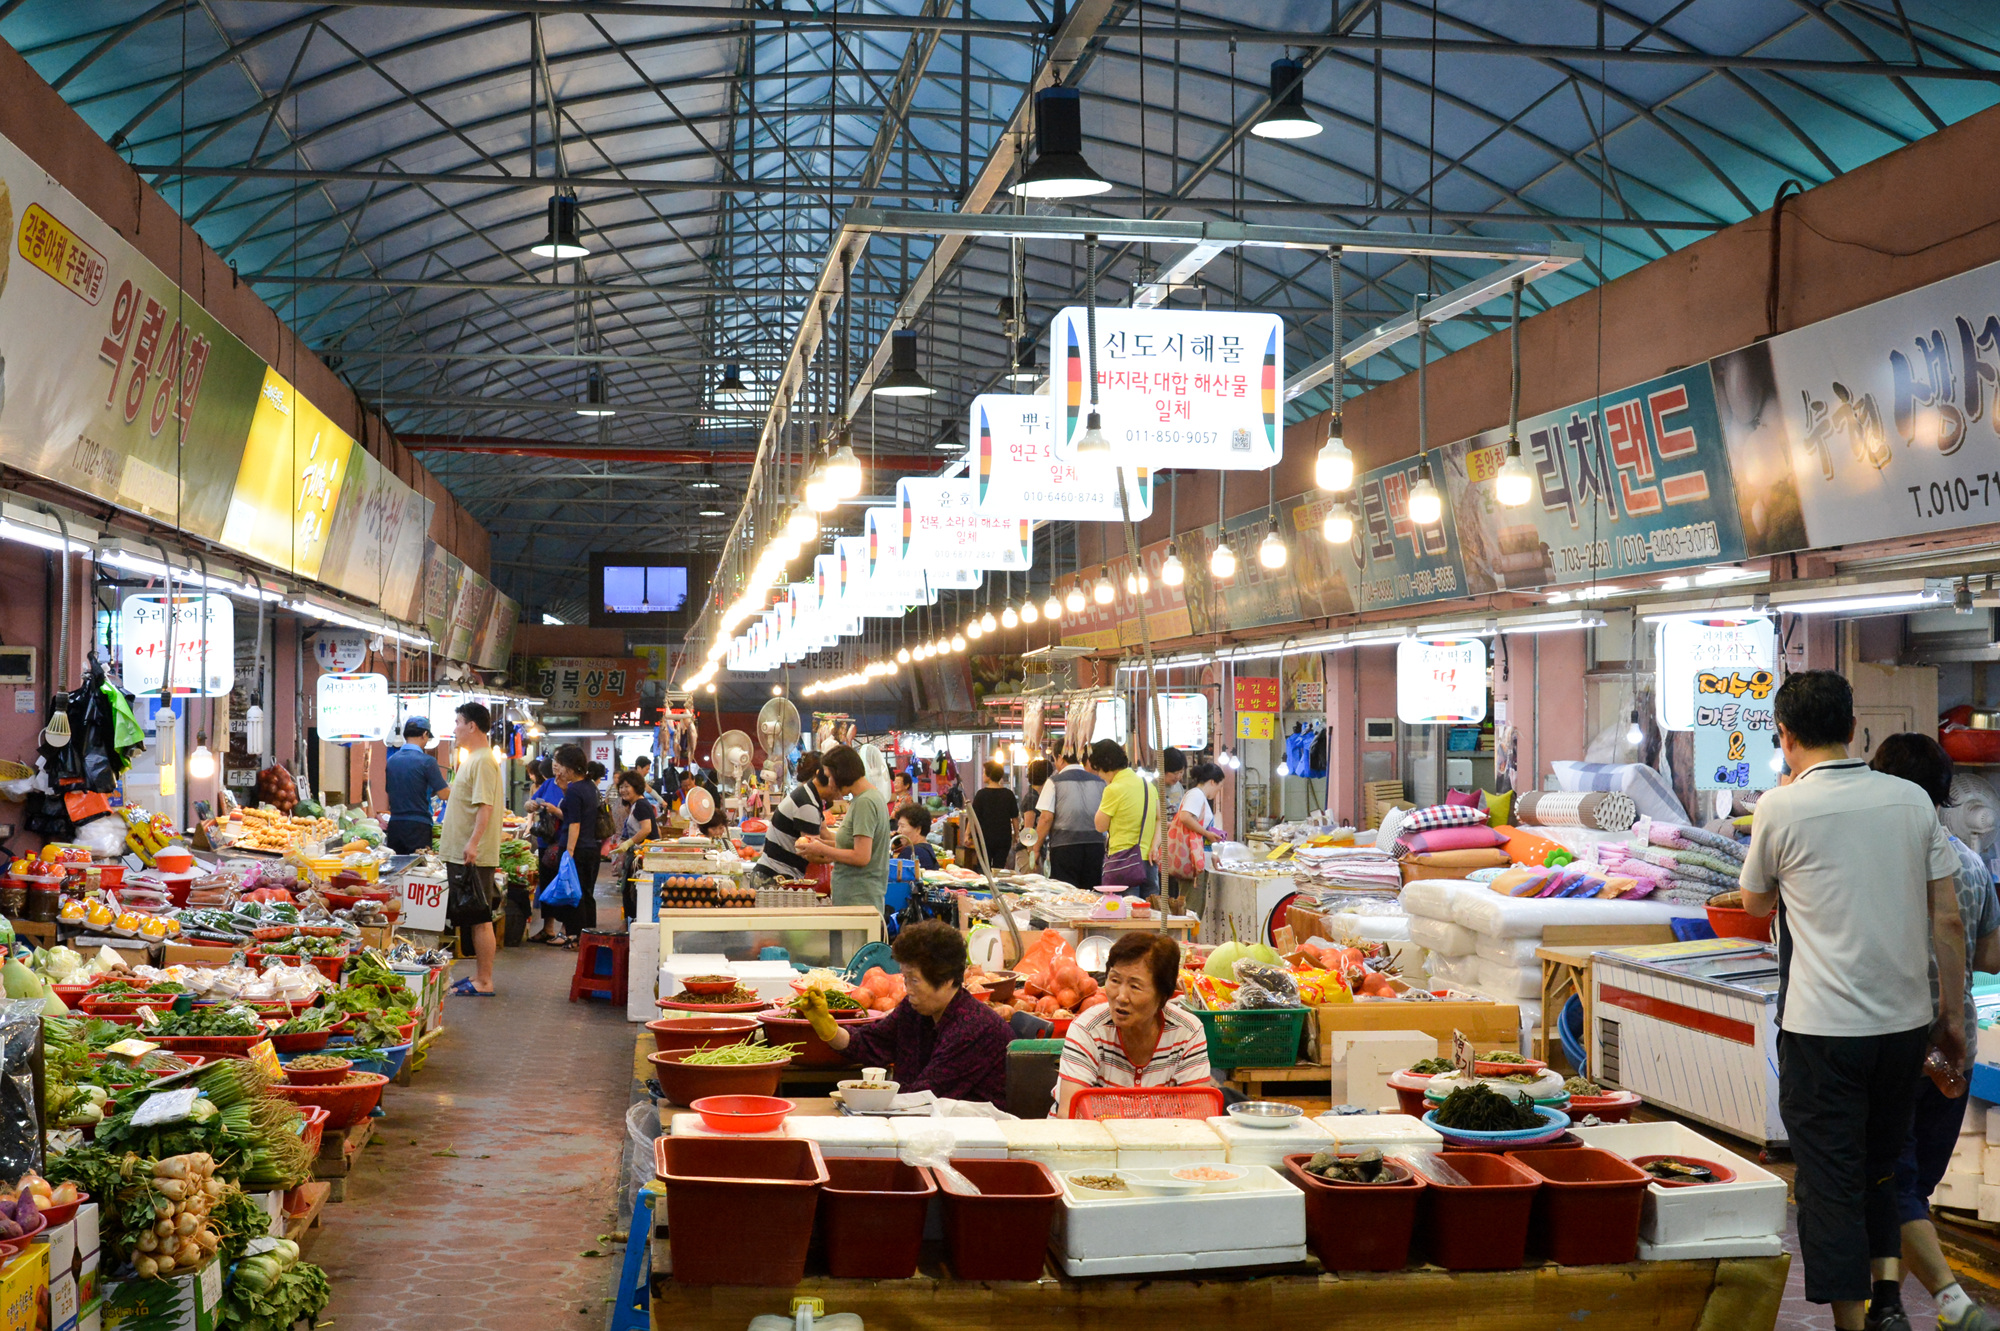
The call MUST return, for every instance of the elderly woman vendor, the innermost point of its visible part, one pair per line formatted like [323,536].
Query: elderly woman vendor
[939,1038]
[1136,1037]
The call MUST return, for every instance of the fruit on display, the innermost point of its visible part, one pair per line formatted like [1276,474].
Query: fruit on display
[146,835]
[277,788]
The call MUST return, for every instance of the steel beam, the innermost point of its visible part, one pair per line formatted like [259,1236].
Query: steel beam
[1177,272]
[160,171]
[603,358]
[543,404]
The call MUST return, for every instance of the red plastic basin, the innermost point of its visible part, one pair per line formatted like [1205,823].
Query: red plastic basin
[742,1113]
[739,1209]
[345,1104]
[871,1218]
[297,1076]
[1483,1226]
[1611,1107]
[780,1027]
[1002,1233]
[1587,1212]
[1729,923]
[700,1032]
[1358,1226]
[684,1085]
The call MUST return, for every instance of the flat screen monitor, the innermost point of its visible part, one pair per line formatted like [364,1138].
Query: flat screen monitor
[647,590]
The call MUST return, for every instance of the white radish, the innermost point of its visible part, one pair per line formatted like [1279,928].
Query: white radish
[149,1241]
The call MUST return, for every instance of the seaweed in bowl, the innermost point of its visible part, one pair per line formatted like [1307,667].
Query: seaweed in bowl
[1480,1108]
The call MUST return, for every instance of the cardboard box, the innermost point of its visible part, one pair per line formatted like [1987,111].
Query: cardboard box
[87,1241]
[180,1302]
[63,1303]
[86,1279]
[1372,1057]
[378,936]
[135,952]
[91,1318]
[60,1240]
[1487,1025]
[24,1290]
[198,954]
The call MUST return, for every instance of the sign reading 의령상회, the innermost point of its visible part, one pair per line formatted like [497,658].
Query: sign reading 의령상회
[1441,681]
[1735,731]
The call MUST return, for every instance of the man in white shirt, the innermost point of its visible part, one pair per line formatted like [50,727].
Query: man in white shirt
[1862,873]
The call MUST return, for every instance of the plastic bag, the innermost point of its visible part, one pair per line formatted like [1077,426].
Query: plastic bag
[1049,952]
[642,1124]
[20,1070]
[931,1148]
[566,889]
[1261,985]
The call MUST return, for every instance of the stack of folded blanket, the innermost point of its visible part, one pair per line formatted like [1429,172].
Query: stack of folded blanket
[1684,864]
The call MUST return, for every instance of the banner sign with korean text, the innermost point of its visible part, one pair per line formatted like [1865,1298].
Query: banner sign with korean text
[118,385]
[353,709]
[1877,423]
[375,546]
[887,569]
[587,683]
[1687,648]
[1117,624]
[468,615]
[1175,388]
[1015,469]
[294,466]
[1397,562]
[1626,484]
[940,526]
[495,641]
[199,622]
[1735,731]
[1441,681]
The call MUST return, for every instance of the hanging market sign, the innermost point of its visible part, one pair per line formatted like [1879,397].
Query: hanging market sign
[375,548]
[1631,482]
[1688,648]
[1441,681]
[1184,719]
[588,683]
[204,644]
[1015,469]
[353,709]
[1175,388]
[294,464]
[339,650]
[940,525]
[1735,730]
[495,641]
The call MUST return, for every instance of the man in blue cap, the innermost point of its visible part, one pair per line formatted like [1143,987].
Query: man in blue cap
[412,777]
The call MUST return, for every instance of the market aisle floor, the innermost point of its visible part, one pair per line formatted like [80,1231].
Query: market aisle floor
[494,1171]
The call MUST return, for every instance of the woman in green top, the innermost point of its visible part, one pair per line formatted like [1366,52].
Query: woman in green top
[1129,812]
[859,851]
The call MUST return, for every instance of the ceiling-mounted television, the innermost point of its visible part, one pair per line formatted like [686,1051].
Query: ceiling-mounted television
[647,590]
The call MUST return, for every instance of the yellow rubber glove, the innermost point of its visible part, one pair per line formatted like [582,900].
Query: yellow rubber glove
[818,1017]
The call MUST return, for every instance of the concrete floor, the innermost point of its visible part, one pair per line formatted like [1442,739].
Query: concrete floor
[495,1172]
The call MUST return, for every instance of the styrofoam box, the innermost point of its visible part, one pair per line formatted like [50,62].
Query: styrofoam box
[845,1137]
[690,1125]
[1959,1191]
[974,1138]
[1061,1143]
[1752,1207]
[1261,1216]
[1268,1146]
[1384,1130]
[1989,1202]
[642,972]
[1149,1143]
[1975,1118]
[1372,1057]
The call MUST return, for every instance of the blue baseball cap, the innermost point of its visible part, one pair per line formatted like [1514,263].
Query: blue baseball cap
[415,726]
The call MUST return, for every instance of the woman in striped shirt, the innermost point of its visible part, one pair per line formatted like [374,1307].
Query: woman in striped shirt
[1136,1037]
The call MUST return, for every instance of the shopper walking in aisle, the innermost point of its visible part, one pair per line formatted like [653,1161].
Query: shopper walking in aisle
[1128,815]
[994,808]
[859,851]
[1856,863]
[1028,854]
[579,840]
[469,843]
[1068,825]
[1934,1131]
[640,816]
[1193,830]
[411,777]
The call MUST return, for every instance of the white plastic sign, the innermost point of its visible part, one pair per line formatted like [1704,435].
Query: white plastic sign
[1735,729]
[940,526]
[340,650]
[1441,681]
[1015,470]
[354,708]
[1184,718]
[1175,388]
[424,904]
[142,644]
[1686,647]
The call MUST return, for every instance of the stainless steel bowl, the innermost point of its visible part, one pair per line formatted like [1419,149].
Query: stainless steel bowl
[1265,1113]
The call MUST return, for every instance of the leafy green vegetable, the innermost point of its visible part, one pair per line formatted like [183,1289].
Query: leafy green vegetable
[302,1291]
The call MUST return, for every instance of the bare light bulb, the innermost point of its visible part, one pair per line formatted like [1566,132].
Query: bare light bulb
[1030,613]
[1222,563]
[1053,607]
[975,630]
[1333,469]
[1515,484]
[1076,600]
[1010,618]
[1338,529]
[1171,571]
[201,763]
[802,525]
[902,656]
[1103,592]
[1426,504]
[1272,552]
[1635,733]
[958,642]
[987,623]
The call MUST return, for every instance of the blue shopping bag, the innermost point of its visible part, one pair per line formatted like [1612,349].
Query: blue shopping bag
[566,889]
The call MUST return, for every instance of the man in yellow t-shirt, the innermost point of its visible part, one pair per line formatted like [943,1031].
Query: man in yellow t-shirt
[469,841]
[1129,813]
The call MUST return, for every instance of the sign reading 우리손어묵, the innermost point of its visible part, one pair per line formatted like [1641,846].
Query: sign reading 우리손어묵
[1175,388]
[203,648]
[1015,469]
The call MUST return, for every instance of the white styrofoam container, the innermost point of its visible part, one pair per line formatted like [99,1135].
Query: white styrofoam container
[1975,1118]
[974,1138]
[1261,1218]
[1268,1146]
[845,1137]
[642,964]
[1992,1129]
[1753,1206]
[1959,1191]
[1764,1245]
[1061,1143]
[1384,1130]
[1989,1202]
[690,1125]
[1372,1057]
[1148,1143]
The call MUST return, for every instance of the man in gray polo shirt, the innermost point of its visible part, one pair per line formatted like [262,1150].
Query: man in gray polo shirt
[1861,872]
[1069,824]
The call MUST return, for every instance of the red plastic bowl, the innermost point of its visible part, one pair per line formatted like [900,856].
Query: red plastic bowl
[1723,1173]
[705,985]
[1481,1068]
[345,1105]
[711,1009]
[1611,1107]
[781,1027]
[742,1113]
[317,1076]
[684,1084]
[1730,923]
[19,1244]
[700,1032]
[306,1042]
[1971,746]
[62,1215]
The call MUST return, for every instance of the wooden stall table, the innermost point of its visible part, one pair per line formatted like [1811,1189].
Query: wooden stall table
[1565,956]
[1729,1294]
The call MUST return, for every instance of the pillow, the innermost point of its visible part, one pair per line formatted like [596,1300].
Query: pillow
[1469,798]
[1479,837]
[1392,826]
[1499,808]
[1468,859]
[1526,848]
[1442,815]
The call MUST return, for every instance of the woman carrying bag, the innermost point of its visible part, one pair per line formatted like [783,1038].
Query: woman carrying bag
[1129,816]
[1189,836]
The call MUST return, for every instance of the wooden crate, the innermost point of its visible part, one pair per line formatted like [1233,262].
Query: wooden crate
[338,1149]
[1487,1025]
[1376,799]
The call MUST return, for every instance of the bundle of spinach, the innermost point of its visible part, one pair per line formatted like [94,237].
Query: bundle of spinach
[302,1292]
[216,1020]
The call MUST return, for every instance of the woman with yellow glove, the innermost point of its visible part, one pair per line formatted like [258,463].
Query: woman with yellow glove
[939,1038]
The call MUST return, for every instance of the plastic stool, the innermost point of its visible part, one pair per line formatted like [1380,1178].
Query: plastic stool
[632,1309]
[593,949]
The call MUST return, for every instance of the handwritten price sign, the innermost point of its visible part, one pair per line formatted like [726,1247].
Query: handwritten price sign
[424,904]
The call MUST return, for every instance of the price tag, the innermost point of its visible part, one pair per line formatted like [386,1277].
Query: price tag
[132,1049]
[166,1107]
[1461,1053]
[266,1057]
[424,901]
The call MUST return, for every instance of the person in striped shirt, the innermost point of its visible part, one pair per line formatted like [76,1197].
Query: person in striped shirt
[799,814]
[1136,1037]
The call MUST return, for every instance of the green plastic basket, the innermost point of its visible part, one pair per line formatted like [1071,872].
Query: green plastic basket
[1257,1038]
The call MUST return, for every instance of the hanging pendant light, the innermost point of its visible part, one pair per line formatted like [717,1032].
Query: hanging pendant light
[902,656]
[987,623]
[595,400]
[903,379]
[1338,529]
[1426,504]
[1171,571]
[1030,612]
[1053,607]
[1103,592]
[1333,469]
[1287,118]
[253,729]
[1059,170]
[802,525]
[1093,443]
[1635,733]
[1137,584]
[975,630]
[958,642]
[563,240]
[843,470]
[1076,600]
[1024,371]
[1515,484]
[201,763]
[1272,552]
[732,382]
[1222,562]
[1010,618]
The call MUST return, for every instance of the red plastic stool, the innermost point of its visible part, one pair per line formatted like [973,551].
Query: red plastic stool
[589,978]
